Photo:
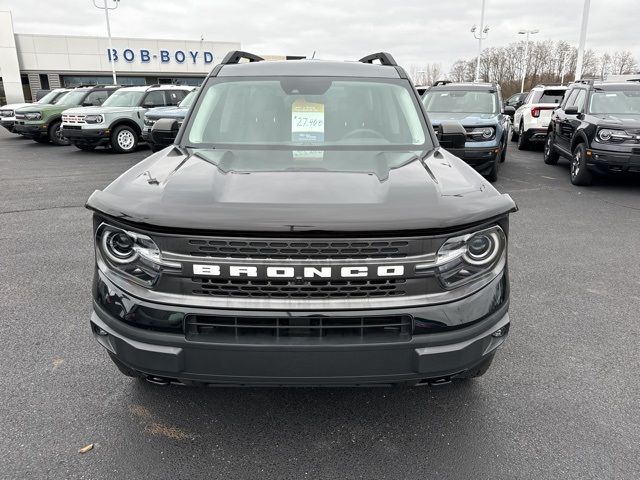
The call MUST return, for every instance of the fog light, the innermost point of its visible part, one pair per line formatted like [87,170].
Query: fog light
[101,332]
[499,333]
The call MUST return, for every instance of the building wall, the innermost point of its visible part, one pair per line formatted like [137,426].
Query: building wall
[9,67]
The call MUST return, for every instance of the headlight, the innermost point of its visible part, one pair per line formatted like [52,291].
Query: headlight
[482,133]
[148,122]
[93,119]
[132,255]
[33,116]
[468,257]
[610,135]
[6,113]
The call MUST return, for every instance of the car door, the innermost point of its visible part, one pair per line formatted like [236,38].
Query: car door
[561,122]
[574,121]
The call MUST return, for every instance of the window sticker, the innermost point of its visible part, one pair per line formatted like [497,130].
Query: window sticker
[307,122]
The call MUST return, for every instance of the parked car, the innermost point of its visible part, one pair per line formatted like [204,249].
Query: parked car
[118,122]
[597,127]
[531,120]
[156,114]
[43,123]
[306,229]
[516,100]
[7,112]
[478,108]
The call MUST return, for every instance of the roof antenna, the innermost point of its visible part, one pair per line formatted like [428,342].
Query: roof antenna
[314,55]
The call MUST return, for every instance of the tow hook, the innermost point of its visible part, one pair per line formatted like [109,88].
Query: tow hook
[163,382]
[434,381]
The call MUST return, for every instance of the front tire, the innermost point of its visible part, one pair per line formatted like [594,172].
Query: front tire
[124,139]
[55,135]
[580,175]
[550,155]
[492,176]
[523,143]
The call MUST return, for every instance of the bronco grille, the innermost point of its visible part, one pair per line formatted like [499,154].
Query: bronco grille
[301,329]
[297,249]
[316,289]
[73,118]
[20,116]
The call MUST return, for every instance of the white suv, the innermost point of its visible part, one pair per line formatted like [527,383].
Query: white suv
[531,120]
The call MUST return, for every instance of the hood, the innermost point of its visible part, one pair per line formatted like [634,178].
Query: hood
[466,119]
[279,191]
[15,106]
[622,120]
[98,110]
[170,112]
[37,107]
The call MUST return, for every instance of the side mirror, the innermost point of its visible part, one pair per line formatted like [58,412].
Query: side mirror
[164,131]
[509,110]
[572,110]
[452,135]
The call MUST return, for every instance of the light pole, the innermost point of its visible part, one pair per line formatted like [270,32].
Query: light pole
[483,33]
[526,54]
[583,38]
[106,15]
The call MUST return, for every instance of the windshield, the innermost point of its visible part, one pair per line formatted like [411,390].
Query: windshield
[124,98]
[188,100]
[51,97]
[72,98]
[460,101]
[612,102]
[313,112]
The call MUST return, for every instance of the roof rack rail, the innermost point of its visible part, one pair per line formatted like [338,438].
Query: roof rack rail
[586,81]
[437,83]
[235,56]
[384,57]
[633,79]
[544,85]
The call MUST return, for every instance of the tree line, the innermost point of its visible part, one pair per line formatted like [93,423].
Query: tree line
[548,62]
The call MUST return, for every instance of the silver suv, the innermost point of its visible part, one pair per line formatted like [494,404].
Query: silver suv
[119,121]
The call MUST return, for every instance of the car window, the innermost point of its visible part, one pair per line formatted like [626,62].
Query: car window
[124,98]
[154,99]
[528,97]
[579,99]
[551,96]
[570,98]
[174,97]
[460,101]
[313,111]
[95,98]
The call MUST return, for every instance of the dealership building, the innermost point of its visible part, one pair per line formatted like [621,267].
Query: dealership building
[32,62]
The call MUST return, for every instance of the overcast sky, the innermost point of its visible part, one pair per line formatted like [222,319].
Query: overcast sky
[414,31]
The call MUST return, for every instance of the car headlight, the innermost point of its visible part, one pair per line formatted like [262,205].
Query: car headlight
[610,135]
[482,134]
[132,255]
[33,116]
[148,122]
[93,119]
[466,258]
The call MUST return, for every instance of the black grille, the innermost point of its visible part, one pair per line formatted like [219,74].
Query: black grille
[316,289]
[72,127]
[298,329]
[297,249]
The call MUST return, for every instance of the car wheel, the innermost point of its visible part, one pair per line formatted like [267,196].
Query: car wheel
[523,143]
[550,155]
[492,176]
[479,370]
[124,139]
[55,135]
[514,134]
[579,173]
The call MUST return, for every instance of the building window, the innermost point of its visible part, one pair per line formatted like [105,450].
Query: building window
[44,81]
[74,80]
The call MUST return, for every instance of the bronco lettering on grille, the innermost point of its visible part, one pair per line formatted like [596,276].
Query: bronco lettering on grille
[245,271]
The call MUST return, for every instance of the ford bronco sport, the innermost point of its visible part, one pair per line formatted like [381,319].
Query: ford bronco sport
[306,228]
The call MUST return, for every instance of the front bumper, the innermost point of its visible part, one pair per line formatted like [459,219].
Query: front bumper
[481,159]
[613,160]
[8,124]
[420,358]
[31,130]
[86,136]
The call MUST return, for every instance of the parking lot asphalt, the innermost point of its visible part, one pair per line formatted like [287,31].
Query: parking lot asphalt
[561,400]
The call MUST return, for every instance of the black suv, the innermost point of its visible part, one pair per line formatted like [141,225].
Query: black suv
[305,228]
[478,108]
[597,127]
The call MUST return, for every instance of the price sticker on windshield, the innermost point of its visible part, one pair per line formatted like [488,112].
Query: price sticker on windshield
[307,122]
